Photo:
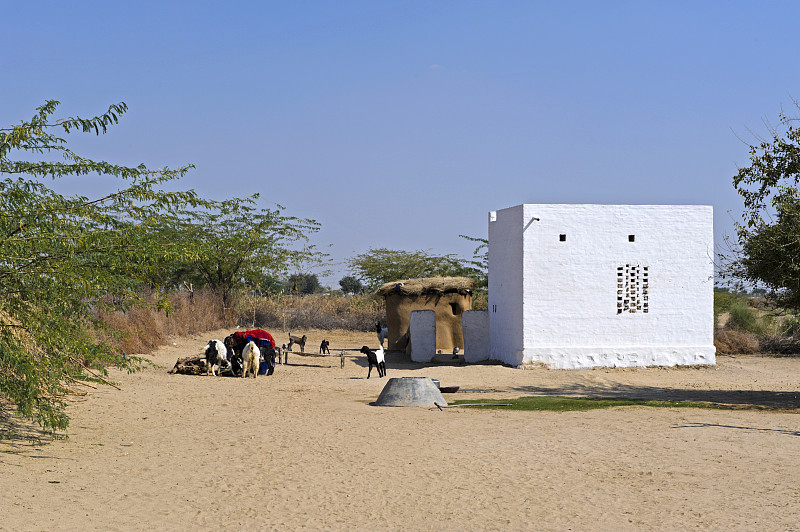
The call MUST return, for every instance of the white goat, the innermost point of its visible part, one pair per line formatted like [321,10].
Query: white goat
[216,355]
[251,355]
[383,332]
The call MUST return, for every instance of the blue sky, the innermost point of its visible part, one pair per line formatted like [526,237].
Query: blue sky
[401,124]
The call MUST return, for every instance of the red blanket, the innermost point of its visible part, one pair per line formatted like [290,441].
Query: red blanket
[241,336]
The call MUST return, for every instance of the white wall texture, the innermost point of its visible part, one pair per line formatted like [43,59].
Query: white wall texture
[475,325]
[505,284]
[554,299]
[422,329]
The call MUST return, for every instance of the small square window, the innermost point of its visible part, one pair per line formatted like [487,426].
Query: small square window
[562,238]
[631,238]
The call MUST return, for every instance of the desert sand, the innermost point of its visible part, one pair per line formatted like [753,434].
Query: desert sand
[305,450]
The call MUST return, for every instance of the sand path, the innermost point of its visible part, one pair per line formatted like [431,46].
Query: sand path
[303,449]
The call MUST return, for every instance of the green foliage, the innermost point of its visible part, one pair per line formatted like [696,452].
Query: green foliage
[568,404]
[723,300]
[350,285]
[235,244]
[790,326]
[266,284]
[379,266]
[771,251]
[479,263]
[768,239]
[61,257]
[744,318]
[303,283]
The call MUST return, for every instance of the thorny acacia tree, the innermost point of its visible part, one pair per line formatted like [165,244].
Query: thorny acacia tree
[60,257]
[378,266]
[768,250]
[236,244]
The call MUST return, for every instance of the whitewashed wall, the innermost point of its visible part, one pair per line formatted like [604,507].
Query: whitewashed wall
[553,299]
[422,329]
[475,324]
[505,285]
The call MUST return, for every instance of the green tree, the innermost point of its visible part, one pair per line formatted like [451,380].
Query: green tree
[480,262]
[236,244]
[767,250]
[350,285]
[303,283]
[379,266]
[60,257]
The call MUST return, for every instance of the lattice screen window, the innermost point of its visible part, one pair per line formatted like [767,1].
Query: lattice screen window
[633,289]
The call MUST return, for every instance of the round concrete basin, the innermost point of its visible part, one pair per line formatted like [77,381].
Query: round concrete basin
[410,391]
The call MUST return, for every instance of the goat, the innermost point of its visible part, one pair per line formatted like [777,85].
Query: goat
[216,355]
[375,358]
[324,347]
[234,354]
[301,341]
[251,356]
[285,353]
[383,332]
[268,354]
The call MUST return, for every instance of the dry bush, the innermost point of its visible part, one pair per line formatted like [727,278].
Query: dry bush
[143,329]
[295,313]
[735,342]
[780,345]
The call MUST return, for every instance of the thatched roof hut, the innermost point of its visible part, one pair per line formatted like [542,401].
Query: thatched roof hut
[429,285]
[449,297]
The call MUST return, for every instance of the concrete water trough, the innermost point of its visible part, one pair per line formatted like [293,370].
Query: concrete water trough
[410,391]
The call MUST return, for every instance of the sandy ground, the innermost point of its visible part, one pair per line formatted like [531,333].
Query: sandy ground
[303,449]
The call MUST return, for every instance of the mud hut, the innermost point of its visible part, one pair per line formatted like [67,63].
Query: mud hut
[449,297]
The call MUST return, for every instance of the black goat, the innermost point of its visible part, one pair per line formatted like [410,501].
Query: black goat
[299,340]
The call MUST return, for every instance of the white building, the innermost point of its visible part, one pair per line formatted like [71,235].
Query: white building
[575,286]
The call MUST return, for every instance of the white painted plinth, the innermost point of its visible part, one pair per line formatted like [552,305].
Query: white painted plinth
[619,357]
[422,329]
[475,325]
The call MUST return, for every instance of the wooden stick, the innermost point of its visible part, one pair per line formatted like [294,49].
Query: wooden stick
[95,375]
[76,381]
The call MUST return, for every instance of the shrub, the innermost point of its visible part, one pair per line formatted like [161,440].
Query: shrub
[723,300]
[780,345]
[745,319]
[292,313]
[735,342]
[142,329]
[791,326]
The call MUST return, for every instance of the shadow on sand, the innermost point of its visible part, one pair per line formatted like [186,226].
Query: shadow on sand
[735,427]
[20,437]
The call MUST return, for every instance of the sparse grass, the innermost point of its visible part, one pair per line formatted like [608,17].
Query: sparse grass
[569,404]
